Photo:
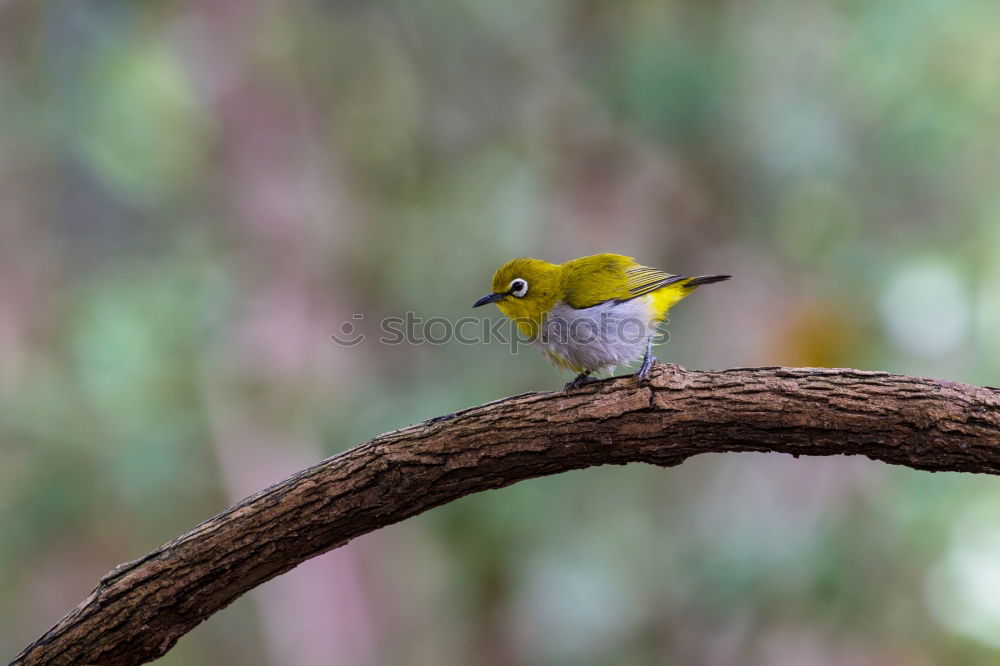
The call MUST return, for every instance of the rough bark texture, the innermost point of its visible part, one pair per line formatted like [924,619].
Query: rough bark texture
[140,609]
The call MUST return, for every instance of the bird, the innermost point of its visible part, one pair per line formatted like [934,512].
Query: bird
[591,314]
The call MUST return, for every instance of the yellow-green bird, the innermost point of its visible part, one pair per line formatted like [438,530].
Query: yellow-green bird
[590,314]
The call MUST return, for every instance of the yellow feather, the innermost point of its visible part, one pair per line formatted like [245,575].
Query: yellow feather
[667,297]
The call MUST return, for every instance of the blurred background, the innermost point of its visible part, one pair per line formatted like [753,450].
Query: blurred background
[194,196]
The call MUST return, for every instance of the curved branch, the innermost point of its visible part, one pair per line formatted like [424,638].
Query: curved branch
[140,609]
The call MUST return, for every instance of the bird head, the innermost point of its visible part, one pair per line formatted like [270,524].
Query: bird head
[525,289]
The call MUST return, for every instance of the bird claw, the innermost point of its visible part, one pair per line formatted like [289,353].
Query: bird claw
[642,374]
[578,381]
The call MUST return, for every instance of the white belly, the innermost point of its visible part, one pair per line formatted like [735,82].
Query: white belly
[597,338]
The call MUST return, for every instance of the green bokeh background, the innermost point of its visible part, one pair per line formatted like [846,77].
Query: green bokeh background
[194,196]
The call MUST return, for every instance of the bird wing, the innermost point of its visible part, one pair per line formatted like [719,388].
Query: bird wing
[643,279]
[590,281]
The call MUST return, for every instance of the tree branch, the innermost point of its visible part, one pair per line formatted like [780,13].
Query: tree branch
[140,609]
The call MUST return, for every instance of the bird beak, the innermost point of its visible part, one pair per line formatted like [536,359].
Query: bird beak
[492,297]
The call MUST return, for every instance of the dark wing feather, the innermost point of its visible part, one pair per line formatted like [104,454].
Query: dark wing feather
[643,279]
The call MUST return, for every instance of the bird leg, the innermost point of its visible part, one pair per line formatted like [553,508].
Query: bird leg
[642,374]
[579,380]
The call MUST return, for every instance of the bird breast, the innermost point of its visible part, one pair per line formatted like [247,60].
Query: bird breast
[597,338]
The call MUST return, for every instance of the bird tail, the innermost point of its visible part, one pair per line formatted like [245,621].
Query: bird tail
[669,295]
[705,279]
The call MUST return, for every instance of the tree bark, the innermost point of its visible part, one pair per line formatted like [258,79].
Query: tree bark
[139,610]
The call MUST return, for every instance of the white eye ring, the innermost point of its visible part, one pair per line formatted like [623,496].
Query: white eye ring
[518,287]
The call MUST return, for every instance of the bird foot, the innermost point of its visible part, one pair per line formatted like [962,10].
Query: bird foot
[642,374]
[579,381]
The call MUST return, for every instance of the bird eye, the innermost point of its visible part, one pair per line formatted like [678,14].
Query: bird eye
[518,288]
